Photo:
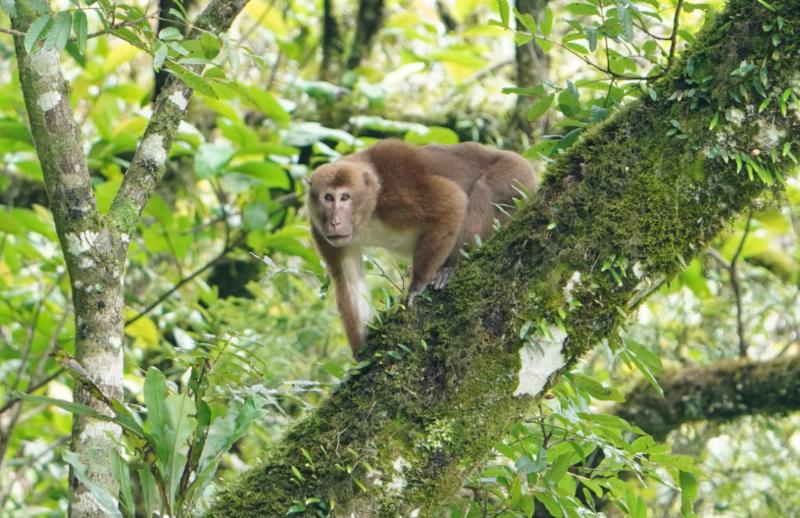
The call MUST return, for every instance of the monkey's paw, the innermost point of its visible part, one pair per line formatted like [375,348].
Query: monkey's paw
[442,277]
[411,296]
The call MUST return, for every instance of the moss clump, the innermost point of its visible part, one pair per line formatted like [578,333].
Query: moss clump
[123,215]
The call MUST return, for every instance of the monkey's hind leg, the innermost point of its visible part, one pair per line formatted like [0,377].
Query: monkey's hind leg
[442,277]
[436,243]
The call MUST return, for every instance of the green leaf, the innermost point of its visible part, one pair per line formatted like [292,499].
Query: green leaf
[155,394]
[150,491]
[596,389]
[432,135]
[688,484]
[264,101]
[122,474]
[105,499]
[547,22]
[211,159]
[582,9]
[559,468]
[36,31]
[502,7]
[81,27]
[540,107]
[8,7]
[74,408]
[58,35]
[159,55]
[170,34]
[180,426]
[192,80]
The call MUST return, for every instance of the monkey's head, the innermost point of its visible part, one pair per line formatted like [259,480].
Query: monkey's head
[341,200]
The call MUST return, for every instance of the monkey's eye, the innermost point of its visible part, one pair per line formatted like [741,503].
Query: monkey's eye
[329,197]
[345,196]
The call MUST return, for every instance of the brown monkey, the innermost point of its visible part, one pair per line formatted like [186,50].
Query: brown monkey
[423,202]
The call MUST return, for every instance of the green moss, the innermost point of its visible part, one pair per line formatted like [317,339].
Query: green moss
[124,215]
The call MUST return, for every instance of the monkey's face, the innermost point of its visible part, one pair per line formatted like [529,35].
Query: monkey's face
[336,202]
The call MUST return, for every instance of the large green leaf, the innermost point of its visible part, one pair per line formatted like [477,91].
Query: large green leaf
[104,498]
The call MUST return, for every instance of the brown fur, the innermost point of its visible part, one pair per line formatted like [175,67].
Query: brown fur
[441,196]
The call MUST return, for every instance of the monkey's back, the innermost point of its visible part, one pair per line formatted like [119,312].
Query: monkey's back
[464,164]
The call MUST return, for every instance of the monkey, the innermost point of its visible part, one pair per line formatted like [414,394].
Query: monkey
[425,203]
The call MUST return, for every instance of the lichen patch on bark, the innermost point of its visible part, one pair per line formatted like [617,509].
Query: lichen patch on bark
[540,360]
[49,100]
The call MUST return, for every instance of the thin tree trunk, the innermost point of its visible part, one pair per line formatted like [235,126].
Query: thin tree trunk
[368,23]
[533,67]
[94,245]
[624,207]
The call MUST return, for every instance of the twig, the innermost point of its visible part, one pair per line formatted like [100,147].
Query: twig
[730,267]
[164,296]
[12,32]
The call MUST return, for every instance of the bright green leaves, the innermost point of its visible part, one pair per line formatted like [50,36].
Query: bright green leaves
[646,361]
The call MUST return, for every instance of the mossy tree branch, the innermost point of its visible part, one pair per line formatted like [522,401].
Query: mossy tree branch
[94,245]
[722,391]
[627,204]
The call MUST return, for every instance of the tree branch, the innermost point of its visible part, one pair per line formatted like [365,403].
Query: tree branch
[627,191]
[722,391]
[148,161]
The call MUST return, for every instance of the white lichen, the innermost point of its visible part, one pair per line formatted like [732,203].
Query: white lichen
[152,150]
[179,100]
[398,482]
[414,513]
[115,341]
[106,367]
[45,62]
[86,263]
[769,137]
[85,504]
[80,243]
[49,100]
[573,281]
[736,116]
[126,238]
[399,464]
[374,477]
[98,431]
[540,359]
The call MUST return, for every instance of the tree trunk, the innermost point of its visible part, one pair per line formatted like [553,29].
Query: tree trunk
[533,67]
[368,22]
[628,204]
[94,254]
[95,245]
[332,46]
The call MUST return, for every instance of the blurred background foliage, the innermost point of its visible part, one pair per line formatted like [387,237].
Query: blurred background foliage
[222,272]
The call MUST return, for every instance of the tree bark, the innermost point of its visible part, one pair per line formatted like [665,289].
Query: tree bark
[332,46]
[633,200]
[722,391]
[533,67]
[95,245]
[368,23]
